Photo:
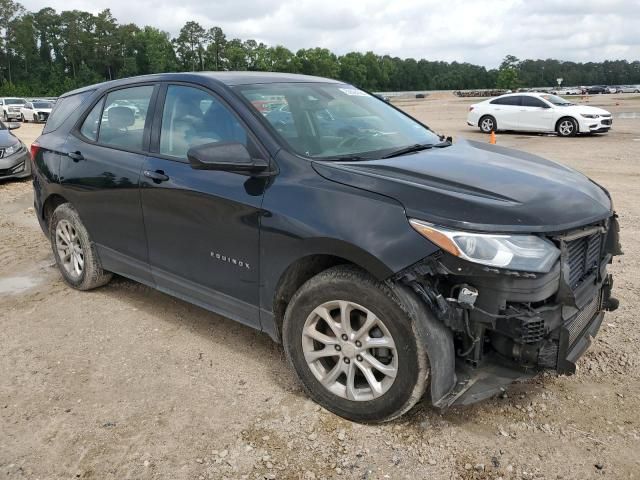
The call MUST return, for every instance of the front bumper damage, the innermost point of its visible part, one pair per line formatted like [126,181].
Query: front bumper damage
[505,326]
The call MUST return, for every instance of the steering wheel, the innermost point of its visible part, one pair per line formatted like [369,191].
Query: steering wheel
[351,141]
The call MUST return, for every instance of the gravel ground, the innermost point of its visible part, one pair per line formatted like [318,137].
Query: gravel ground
[126,382]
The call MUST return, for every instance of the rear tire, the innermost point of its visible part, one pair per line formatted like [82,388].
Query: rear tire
[73,250]
[567,127]
[340,313]
[487,124]
[24,120]
[35,118]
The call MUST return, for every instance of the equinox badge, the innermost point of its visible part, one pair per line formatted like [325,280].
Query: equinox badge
[233,261]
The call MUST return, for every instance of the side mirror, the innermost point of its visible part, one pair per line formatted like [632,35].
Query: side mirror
[13,126]
[230,157]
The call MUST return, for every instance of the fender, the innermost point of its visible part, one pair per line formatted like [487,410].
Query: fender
[438,340]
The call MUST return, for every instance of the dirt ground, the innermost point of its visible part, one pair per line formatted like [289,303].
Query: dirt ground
[125,382]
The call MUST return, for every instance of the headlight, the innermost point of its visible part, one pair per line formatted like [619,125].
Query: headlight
[588,115]
[527,253]
[10,150]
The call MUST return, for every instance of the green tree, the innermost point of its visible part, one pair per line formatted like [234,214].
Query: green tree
[508,73]
[190,46]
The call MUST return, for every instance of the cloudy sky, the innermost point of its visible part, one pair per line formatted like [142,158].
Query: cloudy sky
[481,32]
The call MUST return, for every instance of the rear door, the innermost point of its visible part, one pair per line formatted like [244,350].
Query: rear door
[202,225]
[506,111]
[101,173]
[535,116]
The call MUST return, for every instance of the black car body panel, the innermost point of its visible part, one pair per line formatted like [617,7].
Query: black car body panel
[236,243]
[477,186]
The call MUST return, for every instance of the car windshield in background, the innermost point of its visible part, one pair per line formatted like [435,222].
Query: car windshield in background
[14,101]
[42,105]
[335,121]
[556,100]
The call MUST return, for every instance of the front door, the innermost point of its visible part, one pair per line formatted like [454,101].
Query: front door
[202,225]
[535,116]
[101,173]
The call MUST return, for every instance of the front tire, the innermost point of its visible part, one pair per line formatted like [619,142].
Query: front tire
[487,124]
[567,127]
[353,347]
[73,250]
[24,120]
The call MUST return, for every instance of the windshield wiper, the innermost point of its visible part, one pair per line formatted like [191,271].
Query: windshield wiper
[409,149]
[417,148]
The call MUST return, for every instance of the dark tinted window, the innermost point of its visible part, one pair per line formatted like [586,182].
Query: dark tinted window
[63,109]
[41,105]
[124,116]
[532,102]
[194,117]
[512,100]
[90,125]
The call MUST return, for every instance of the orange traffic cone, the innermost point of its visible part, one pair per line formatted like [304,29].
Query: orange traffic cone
[492,138]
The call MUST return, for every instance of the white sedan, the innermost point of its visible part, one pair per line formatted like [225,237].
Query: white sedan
[36,111]
[537,112]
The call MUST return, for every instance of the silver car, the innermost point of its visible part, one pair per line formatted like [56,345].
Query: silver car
[15,159]
[629,89]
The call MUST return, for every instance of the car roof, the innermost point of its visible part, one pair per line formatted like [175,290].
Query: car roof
[225,78]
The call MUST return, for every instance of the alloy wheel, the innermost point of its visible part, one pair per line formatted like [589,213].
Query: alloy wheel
[566,128]
[487,125]
[69,249]
[349,350]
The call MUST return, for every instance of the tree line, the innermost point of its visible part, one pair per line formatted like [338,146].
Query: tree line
[48,53]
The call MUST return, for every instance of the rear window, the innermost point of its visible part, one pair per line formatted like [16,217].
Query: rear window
[63,109]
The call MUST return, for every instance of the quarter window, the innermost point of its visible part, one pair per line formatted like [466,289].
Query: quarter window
[194,117]
[124,116]
[90,125]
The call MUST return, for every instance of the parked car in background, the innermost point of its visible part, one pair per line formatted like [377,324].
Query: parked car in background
[11,108]
[614,89]
[597,89]
[537,112]
[630,89]
[15,159]
[35,111]
[387,259]
[567,91]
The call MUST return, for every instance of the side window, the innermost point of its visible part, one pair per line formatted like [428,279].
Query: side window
[90,125]
[532,102]
[510,101]
[194,117]
[63,109]
[124,116]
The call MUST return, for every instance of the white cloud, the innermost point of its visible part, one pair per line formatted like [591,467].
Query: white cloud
[478,32]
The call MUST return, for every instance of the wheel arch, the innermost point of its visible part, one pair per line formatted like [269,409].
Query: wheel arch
[52,202]
[299,271]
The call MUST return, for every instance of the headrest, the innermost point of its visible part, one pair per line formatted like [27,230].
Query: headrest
[120,117]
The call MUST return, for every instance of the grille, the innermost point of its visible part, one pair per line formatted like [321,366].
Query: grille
[606,122]
[578,323]
[583,257]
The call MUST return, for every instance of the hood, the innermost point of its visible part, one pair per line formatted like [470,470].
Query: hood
[477,186]
[585,109]
[7,138]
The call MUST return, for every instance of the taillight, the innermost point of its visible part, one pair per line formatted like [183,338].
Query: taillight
[35,147]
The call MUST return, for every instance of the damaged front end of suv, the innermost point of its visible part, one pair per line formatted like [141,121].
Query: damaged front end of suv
[515,304]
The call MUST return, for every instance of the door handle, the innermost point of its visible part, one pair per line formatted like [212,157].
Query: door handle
[75,156]
[157,176]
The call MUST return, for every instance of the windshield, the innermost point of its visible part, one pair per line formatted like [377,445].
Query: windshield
[556,100]
[329,121]
[41,105]
[15,101]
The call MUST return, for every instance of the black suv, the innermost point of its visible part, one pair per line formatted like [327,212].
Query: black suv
[386,259]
